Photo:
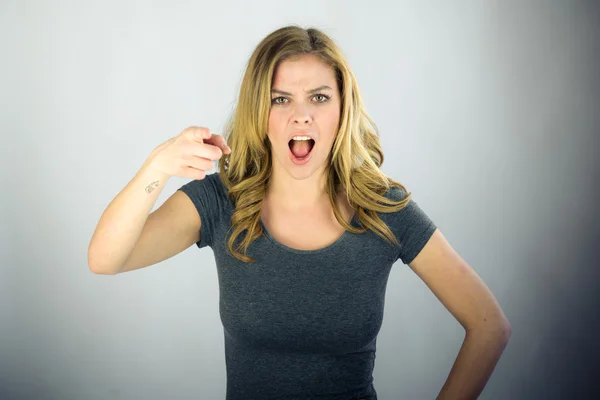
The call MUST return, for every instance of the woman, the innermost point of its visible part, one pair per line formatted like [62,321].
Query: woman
[304,227]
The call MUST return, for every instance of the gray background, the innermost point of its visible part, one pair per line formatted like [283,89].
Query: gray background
[488,113]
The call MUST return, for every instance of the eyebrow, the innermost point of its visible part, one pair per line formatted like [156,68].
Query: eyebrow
[309,92]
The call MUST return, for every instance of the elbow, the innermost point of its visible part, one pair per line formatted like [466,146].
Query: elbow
[97,268]
[500,329]
[507,330]
[504,328]
[98,271]
[101,271]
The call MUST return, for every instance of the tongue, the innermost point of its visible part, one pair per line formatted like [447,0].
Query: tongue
[300,148]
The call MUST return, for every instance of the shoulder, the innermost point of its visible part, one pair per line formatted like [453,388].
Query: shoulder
[210,198]
[397,193]
[209,193]
[411,215]
[210,183]
[412,225]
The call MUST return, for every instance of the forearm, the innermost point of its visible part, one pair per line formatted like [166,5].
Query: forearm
[474,364]
[121,223]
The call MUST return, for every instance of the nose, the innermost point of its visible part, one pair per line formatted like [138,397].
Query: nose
[302,114]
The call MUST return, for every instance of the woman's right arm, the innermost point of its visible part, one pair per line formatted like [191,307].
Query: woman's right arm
[127,237]
[122,222]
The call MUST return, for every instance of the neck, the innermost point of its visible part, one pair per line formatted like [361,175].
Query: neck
[295,194]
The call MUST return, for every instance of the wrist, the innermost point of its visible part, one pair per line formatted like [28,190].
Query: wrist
[149,172]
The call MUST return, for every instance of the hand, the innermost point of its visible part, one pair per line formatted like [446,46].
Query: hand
[188,155]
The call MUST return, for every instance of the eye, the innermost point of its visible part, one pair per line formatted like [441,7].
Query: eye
[284,100]
[324,96]
[274,101]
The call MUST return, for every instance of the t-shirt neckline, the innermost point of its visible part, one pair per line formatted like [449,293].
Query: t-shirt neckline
[339,240]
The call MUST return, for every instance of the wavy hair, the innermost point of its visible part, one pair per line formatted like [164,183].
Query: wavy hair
[354,161]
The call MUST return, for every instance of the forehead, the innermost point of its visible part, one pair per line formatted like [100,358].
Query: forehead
[306,70]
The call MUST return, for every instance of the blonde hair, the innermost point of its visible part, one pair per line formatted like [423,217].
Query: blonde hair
[355,158]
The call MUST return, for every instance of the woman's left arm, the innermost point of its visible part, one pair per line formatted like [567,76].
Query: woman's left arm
[469,300]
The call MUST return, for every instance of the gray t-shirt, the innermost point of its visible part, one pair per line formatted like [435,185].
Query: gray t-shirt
[303,324]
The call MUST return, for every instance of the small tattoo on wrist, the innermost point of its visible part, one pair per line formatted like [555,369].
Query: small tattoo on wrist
[150,188]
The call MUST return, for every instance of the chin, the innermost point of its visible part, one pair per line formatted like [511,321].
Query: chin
[301,175]
[300,172]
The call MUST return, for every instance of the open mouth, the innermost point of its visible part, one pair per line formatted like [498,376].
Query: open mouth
[301,148]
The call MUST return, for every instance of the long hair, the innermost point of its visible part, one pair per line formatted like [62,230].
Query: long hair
[354,161]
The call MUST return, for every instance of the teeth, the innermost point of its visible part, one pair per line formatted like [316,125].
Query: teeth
[301,138]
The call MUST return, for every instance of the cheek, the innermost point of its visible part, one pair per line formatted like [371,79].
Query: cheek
[275,121]
[330,122]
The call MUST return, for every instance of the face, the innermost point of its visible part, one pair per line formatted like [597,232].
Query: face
[305,101]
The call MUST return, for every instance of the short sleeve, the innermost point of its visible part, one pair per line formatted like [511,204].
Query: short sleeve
[412,226]
[206,194]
